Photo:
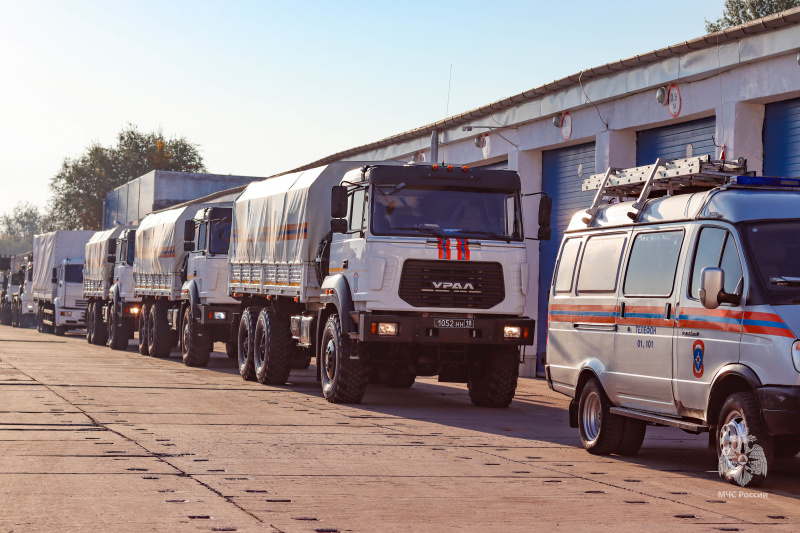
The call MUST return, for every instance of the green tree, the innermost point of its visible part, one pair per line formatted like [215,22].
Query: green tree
[81,185]
[740,11]
[18,228]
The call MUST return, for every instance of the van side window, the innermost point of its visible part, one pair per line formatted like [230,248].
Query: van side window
[653,263]
[566,265]
[600,264]
[716,248]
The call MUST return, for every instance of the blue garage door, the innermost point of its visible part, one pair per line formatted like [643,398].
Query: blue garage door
[670,142]
[782,138]
[561,181]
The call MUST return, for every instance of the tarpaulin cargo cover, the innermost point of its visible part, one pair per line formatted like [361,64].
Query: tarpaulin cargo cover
[159,241]
[96,268]
[49,250]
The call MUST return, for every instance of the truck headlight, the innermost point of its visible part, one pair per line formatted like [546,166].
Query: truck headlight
[217,315]
[387,328]
[796,355]
[133,310]
[512,332]
[30,306]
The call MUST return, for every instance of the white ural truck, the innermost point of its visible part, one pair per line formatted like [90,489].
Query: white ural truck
[123,311]
[58,280]
[180,273]
[388,270]
[99,272]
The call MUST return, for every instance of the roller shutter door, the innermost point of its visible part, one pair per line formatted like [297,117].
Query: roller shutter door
[561,181]
[670,142]
[782,138]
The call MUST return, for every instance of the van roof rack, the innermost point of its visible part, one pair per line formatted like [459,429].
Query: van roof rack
[673,176]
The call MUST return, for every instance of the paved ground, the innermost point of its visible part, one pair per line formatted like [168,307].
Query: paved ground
[97,440]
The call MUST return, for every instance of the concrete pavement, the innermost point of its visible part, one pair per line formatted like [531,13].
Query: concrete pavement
[98,440]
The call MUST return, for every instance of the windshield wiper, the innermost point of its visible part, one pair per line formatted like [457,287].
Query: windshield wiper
[428,231]
[498,236]
[785,281]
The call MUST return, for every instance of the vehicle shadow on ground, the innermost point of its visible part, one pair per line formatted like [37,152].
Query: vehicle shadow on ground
[535,420]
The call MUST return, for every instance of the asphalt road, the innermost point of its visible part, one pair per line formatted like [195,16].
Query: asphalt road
[97,440]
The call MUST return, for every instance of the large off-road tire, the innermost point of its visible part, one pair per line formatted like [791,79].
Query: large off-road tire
[144,324]
[601,432]
[633,432]
[344,374]
[159,339]
[195,346]
[493,380]
[272,348]
[39,322]
[787,445]
[89,322]
[99,329]
[742,436]
[232,349]
[247,330]
[6,314]
[396,376]
[59,331]
[117,330]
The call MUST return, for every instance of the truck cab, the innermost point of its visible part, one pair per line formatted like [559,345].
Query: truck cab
[27,307]
[70,305]
[122,308]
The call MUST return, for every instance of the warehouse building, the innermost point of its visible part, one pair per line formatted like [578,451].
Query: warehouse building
[731,94]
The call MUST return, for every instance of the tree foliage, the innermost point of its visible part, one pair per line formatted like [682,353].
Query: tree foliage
[740,11]
[18,228]
[81,185]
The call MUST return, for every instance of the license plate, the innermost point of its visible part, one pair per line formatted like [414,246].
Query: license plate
[453,323]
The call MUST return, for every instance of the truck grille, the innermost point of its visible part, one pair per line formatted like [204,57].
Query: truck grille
[465,284]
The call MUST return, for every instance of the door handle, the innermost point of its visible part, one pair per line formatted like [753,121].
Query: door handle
[595,327]
[667,311]
[622,310]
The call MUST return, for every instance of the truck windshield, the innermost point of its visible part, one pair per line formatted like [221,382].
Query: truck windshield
[446,212]
[73,273]
[220,238]
[776,251]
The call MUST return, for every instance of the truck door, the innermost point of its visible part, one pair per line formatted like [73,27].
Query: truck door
[642,362]
[195,260]
[347,250]
[706,339]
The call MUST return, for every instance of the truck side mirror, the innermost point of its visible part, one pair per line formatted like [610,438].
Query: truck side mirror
[338,225]
[545,213]
[112,247]
[54,276]
[338,201]
[712,289]
[188,246]
[188,231]
[111,258]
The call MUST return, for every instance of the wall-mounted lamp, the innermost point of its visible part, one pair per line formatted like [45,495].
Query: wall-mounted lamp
[480,140]
[557,119]
[798,59]
[661,95]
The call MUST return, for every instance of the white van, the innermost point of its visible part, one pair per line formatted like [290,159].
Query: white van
[682,310]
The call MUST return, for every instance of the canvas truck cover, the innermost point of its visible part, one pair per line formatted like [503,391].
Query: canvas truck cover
[159,241]
[95,266]
[283,219]
[49,250]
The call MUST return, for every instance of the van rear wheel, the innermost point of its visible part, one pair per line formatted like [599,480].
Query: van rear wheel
[601,432]
[744,448]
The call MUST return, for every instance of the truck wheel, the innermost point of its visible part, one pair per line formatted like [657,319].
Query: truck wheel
[232,349]
[159,340]
[39,322]
[99,329]
[59,331]
[633,432]
[195,347]
[272,349]
[344,379]
[247,330]
[787,445]
[744,448]
[493,381]
[396,376]
[601,431]
[117,332]
[144,315]
[89,321]
[14,316]
[5,318]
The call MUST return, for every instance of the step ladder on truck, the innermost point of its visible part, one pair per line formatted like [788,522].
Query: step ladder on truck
[675,301]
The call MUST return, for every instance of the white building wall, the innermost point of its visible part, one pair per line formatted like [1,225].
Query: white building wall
[731,82]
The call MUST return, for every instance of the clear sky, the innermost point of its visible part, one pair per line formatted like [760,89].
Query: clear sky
[265,86]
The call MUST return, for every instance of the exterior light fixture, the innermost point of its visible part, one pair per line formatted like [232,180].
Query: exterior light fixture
[661,95]
[557,118]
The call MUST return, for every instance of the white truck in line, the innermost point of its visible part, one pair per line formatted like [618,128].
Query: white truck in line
[25,310]
[180,273]
[16,277]
[58,280]
[395,270]
[110,317]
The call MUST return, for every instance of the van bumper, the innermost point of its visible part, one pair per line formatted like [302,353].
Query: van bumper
[781,409]
[424,330]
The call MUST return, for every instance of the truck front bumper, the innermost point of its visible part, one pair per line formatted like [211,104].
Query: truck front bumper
[217,314]
[70,317]
[430,330]
[781,409]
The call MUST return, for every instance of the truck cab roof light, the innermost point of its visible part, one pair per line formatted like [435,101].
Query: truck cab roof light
[435,167]
[464,168]
[449,168]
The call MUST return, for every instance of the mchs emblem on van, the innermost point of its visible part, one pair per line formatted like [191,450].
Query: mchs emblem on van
[450,286]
